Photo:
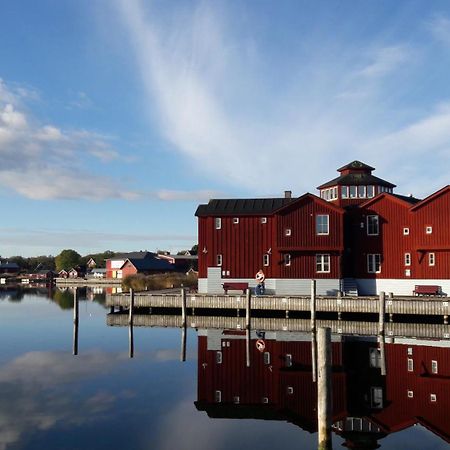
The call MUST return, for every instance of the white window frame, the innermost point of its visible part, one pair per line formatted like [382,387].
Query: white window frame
[433,398]
[322,261]
[288,232]
[219,357]
[361,191]
[263,220]
[266,356]
[370,191]
[353,194]
[236,400]
[407,259]
[405,231]
[376,393]
[235,220]
[372,263]
[434,366]
[428,229]
[219,260]
[344,192]
[410,365]
[431,259]
[288,360]
[320,226]
[377,221]
[374,357]
[410,394]
[218,223]
[218,396]
[266,260]
[287,259]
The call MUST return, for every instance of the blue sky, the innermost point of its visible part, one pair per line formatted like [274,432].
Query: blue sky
[117,118]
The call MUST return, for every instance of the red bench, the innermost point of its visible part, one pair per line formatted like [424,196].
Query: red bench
[428,290]
[235,287]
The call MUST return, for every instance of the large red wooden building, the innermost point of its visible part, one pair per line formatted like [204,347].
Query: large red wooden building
[356,236]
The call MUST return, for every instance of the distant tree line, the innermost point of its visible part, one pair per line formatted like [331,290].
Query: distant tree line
[67,259]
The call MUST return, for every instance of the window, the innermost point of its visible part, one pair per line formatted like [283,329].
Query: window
[374,263]
[376,397]
[266,259]
[434,366]
[407,259]
[219,357]
[235,220]
[218,396]
[218,223]
[372,225]
[219,260]
[290,390]
[407,272]
[265,400]
[322,263]
[431,259]
[428,230]
[288,360]
[335,193]
[410,365]
[410,351]
[266,358]
[433,397]
[361,191]
[344,191]
[352,191]
[405,231]
[287,259]
[370,191]
[410,394]
[236,399]
[263,219]
[322,224]
[287,232]
[374,357]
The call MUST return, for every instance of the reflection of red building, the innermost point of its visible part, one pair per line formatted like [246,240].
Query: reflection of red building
[366,406]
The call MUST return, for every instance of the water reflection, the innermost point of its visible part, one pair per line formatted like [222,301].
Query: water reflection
[367,406]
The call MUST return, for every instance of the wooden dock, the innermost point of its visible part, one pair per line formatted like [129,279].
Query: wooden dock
[416,306]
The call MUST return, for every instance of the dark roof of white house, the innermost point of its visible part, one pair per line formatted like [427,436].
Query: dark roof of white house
[242,206]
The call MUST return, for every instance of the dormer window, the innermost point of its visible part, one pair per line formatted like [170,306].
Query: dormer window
[370,191]
[361,192]
[344,191]
[353,192]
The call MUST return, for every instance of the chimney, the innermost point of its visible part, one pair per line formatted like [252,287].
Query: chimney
[287,194]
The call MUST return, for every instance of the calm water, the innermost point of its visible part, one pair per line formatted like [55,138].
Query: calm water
[102,399]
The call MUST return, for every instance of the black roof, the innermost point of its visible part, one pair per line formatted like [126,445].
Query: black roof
[132,255]
[357,179]
[408,198]
[151,262]
[357,165]
[9,265]
[242,206]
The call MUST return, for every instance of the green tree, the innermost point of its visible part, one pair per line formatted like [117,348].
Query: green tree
[67,259]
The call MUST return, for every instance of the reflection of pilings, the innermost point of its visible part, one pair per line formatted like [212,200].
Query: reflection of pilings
[131,307]
[183,343]
[324,395]
[313,331]
[247,325]
[130,340]
[75,322]
[381,340]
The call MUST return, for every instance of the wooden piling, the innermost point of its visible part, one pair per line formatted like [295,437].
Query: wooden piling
[247,326]
[75,322]
[183,307]
[381,340]
[382,311]
[130,340]
[324,389]
[131,307]
[391,297]
[313,331]
[183,343]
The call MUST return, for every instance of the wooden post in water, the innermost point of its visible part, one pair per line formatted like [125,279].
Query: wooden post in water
[130,309]
[247,325]
[382,311]
[313,331]
[183,325]
[381,332]
[391,297]
[75,322]
[130,340]
[324,389]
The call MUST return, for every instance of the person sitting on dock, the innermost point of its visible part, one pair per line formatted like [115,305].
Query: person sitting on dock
[260,287]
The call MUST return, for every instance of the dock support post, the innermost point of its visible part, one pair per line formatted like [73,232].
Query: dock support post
[324,394]
[75,322]
[313,332]
[131,307]
[391,297]
[247,326]
[183,307]
[381,331]
[183,325]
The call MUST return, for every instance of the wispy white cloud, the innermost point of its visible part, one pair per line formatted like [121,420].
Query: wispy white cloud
[259,136]
[439,27]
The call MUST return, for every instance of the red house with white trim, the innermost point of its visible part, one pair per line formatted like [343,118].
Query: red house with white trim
[358,237]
